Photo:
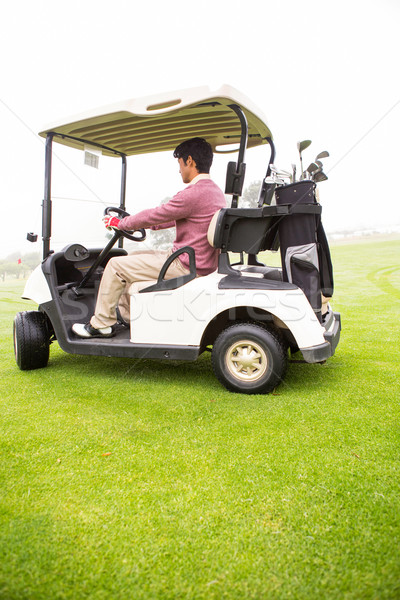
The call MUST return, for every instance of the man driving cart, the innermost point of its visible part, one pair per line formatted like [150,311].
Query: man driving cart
[190,210]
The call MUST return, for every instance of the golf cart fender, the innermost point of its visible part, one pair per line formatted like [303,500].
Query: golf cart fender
[181,316]
[289,308]
[36,288]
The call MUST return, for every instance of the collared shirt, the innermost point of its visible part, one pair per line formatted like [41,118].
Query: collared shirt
[200,176]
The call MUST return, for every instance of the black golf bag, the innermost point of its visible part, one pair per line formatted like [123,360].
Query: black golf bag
[305,254]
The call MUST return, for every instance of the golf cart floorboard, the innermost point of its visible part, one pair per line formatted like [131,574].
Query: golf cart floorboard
[121,346]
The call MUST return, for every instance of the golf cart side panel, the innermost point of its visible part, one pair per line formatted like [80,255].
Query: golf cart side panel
[36,287]
[164,315]
[119,347]
[63,307]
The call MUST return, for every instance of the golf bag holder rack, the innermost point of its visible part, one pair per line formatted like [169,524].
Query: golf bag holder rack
[294,225]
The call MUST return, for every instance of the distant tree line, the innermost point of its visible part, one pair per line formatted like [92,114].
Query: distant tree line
[18,265]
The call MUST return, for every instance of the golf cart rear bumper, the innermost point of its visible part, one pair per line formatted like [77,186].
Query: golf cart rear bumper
[316,354]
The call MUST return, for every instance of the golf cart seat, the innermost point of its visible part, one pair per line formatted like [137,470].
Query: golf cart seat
[244,230]
[234,230]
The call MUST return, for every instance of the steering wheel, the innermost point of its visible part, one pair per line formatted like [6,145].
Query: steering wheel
[128,235]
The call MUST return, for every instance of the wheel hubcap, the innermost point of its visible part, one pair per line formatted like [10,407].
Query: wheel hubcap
[246,360]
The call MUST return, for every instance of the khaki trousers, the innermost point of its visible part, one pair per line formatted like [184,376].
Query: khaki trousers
[120,272]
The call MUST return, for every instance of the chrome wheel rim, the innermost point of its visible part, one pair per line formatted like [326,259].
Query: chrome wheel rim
[246,360]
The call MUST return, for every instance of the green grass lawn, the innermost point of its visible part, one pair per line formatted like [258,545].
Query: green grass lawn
[144,479]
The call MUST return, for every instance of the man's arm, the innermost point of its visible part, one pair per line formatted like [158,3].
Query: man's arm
[163,226]
[179,207]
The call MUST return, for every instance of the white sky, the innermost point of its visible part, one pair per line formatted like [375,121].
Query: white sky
[325,71]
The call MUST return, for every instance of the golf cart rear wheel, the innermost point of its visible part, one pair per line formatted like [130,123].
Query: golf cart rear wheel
[249,358]
[31,340]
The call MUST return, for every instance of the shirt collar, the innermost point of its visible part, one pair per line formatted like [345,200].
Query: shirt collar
[200,176]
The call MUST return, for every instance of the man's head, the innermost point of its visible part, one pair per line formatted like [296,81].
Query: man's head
[194,156]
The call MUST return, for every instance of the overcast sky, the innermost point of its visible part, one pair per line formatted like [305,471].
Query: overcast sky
[325,71]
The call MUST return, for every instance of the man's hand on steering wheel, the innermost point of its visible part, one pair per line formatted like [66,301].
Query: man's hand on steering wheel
[112,222]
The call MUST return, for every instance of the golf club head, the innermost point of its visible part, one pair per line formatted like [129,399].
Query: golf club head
[320,176]
[283,173]
[280,173]
[319,163]
[323,154]
[275,177]
[312,167]
[276,181]
[315,173]
[303,145]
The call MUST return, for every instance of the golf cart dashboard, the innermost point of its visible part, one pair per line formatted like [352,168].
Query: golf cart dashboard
[69,266]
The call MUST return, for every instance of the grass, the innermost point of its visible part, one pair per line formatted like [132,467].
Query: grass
[148,480]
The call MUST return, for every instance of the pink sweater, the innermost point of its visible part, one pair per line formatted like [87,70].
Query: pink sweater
[191,211]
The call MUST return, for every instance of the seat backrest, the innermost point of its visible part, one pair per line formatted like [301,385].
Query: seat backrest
[211,229]
[249,230]
[243,230]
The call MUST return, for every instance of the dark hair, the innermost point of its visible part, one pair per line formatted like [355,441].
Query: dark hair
[199,149]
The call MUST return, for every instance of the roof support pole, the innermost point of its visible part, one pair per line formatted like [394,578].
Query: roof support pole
[123,192]
[46,205]
[240,165]
[267,189]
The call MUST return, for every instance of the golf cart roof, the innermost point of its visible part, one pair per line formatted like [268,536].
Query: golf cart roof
[159,123]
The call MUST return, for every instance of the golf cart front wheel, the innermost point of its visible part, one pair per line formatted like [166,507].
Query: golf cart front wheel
[31,340]
[249,358]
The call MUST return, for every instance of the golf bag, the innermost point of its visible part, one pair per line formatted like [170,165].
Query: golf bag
[305,254]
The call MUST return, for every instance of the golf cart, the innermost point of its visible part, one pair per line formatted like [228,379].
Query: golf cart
[248,314]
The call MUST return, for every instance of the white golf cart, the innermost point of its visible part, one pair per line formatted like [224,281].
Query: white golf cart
[248,314]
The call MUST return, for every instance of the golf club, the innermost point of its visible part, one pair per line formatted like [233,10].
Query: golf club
[280,174]
[313,167]
[286,174]
[323,154]
[319,176]
[273,180]
[300,147]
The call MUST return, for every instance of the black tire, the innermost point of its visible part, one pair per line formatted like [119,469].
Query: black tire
[31,340]
[249,358]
